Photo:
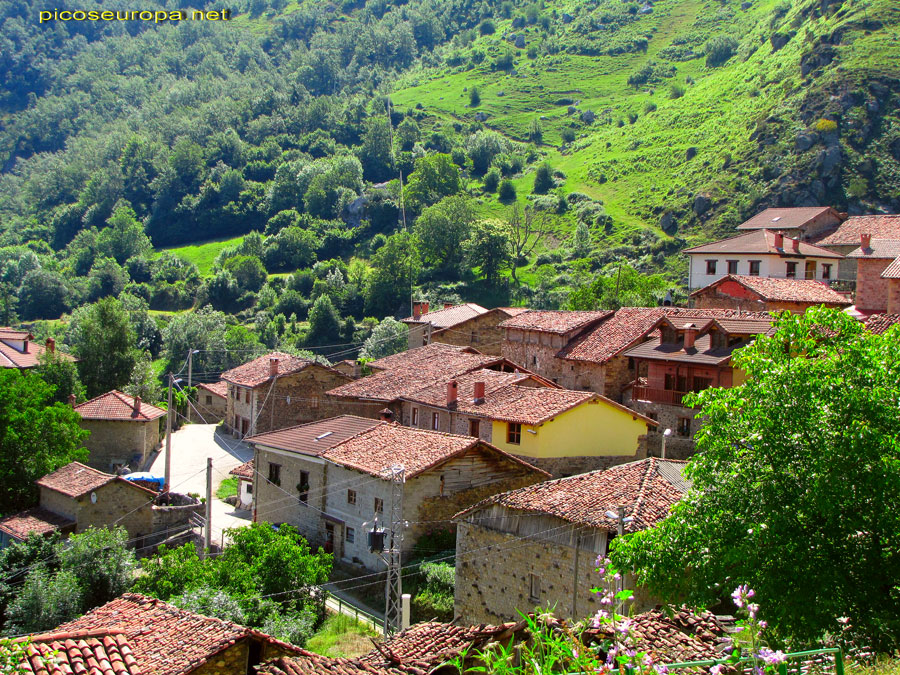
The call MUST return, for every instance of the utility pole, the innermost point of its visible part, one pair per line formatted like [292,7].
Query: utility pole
[168,478]
[190,368]
[393,589]
[207,538]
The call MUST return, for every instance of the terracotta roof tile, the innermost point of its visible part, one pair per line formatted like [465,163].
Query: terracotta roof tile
[879,323]
[166,640]
[219,388]
[12,356]
[116,406]
[703,353]
[784,218]
[647,488]
[785,290]
[848,232]
[763,242]
[75,479]
[386,445]
[69,654]
[879,249]
[256,372]
[892,271]
[244,470]
[413,358]
[314,438]
[448,317]
[559,322]
[436,394]
[37,520]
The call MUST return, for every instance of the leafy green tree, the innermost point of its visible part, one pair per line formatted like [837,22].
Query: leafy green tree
[719,49]
[388,337]
[375,152]
[441,230]
[292,248]
[507,191]
[324,323]
[248,271]
[796,488]
[101,561]
[619,285]
[282,220]
[45,601]
[435,177]
[582,241]
[124,237]
[482,147]
[106,278]
[222,291]
[212,602]
[474,97]
[173,572]
[489,248]
[103,339]
[19,558]
[61,373]
[37,436]
[43,295]
[144,380]
[395,267]
[203,330]
[543,179]
[492,179]
[408,133]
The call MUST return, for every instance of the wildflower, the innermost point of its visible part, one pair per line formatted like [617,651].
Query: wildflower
[617,576]
[624,626]
[647,660]
[630,653]
[741,594]
[774,658]
[762,624]
[716,669]
[843,620]
[599,618]
[753,608]
[661,669]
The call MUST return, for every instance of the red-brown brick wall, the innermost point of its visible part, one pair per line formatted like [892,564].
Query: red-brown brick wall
[871,289]
[893,302]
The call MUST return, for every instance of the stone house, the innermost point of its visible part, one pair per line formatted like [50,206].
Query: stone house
[166,640]
[244,473]
[124,430]
[212,401]
[549,536]
[767,294]
[342,468]
[279,390]
[848,236]
[807,223]
[760,253]
[466,325]
[18,349]
[877,275]
[561,431]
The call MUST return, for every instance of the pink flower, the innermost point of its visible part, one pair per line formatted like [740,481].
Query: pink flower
[599,618]
[661,669]
[716,669]
[647,660]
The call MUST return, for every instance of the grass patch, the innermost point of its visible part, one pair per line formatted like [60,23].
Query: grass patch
[883,666]
[227,488]
[204,255]
[341,636]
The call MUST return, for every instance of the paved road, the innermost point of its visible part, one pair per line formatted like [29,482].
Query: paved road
[191,445]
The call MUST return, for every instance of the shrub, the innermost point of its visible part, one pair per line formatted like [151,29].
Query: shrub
[507,191]
[505,61]
[568,135]
[543,179]
[487,27]
[719,49]
[825,125]
[492,180]
[676,91]
[294,627]
[650,107]
[474,97]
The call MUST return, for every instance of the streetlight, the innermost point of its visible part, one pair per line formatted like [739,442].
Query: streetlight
[666,434]
[620,518]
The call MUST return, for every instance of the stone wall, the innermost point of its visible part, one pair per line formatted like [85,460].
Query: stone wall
[561,467]
[169,519]
[234,659]
[281,503]
[871,289]
[669,417]
[212,408]
[114,443]
[308,403]
[482,332]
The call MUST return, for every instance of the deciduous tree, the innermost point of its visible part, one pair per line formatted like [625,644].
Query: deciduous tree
[103,339]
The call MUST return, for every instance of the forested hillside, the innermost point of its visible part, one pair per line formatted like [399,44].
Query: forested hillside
[550,151]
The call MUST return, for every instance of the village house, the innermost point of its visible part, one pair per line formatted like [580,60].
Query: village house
[332,480]
[549,536]
[806,223]
[18,349]
[683,355]
[212,401]
[244,473]
[152,637]
[279,390]
[76,497]
[466,325]
[561,431]
[124,430]
[767,294]
[848,236]
[760,253]
[877,275]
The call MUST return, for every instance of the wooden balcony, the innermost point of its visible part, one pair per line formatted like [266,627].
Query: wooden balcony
[667,396]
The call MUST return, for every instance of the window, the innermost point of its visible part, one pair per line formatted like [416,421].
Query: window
[791,270]
[534,587]
[732,266]
[652,415]
[670,382]
[275,473]
[350,535]
[701,383]
[754,268]
[379,505]
[514,433]
[810,269]
[415,417]
[534,360]
[435,421]
[209,400]
[303,487]
[313,402]
[684,426]
[351,496]
[711,266]
[474,428]
[826,271]
[250,488]
[247,396]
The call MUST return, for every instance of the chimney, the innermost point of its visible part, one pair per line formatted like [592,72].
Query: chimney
[479,392]
[273,367]
[386,415]
[452,391]
[865,240]
[51,345]
[425,307]
[72,400]
[137,405]
[690,334]
[417,311]
[25,346]
[779,240]
[448,305]
[796,243]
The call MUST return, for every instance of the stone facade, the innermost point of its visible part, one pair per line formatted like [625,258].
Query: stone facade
[236,659]
[172,519]
[871,288]
[295,398]
[562,467]
[482,332]
[679,419]
[212,407]
[750,302]
[114,443]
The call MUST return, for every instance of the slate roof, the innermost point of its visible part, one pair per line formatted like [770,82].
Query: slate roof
[244,470]
[785,218]
[117,406]
[82,653]
[879,249]
[785,290]
[37,520]
[762,242]
[313,438]
[219,388]
[647,488]
[256,372]
[386,445]
[879,323]
[166,640]
[449,316]
[558,322]
[848,233]
[10,357]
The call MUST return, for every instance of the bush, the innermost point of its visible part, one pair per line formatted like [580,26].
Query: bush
[825,125]
[676,91]
[650,107]
[505,61]
[507,191]
[543,179]
[492,180]
[212,602]
[568,135]
[719,49]
[294,627]
[474,97]
[487,27]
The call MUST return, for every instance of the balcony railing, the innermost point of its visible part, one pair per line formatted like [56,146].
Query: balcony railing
[667,396]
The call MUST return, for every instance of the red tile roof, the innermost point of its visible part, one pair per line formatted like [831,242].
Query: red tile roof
[244,470]
[647,488]
[76,480]
[559,322]
[763,242]
[436,394]
[420,356]
[848,233]
[7,333]
[703,353]
[116,406]
[314,438]
[219,388]
[11,356]
[879,323]
[892,271]
[387,445]
[167,640]
[82,654]
[785,290]
[786,218]
[256,372]
[37,520]
[449,316]
[879,249]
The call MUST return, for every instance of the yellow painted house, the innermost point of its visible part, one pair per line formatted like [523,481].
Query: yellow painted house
[559,430]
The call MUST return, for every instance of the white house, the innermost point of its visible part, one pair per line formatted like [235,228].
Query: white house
[760,253]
